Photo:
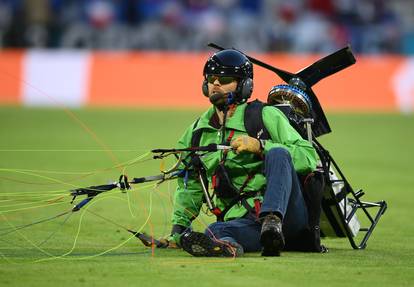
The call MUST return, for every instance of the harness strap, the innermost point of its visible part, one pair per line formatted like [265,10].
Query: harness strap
[257,207]
[255,127]
[246,181]
[242,199]
[253,120]
[229,137]
[228,140]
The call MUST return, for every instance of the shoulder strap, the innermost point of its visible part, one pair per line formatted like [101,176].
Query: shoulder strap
[253,120]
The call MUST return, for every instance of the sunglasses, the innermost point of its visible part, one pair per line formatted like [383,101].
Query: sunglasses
[222,80]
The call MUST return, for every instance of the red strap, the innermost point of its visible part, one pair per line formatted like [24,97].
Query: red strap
[246,181]
[228,142]
[257,207]
[230,136]
[213,181]
[216,211]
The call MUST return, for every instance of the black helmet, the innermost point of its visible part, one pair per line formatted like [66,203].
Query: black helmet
[231,63]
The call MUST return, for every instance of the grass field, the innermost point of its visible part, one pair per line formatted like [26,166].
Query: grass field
[46,152]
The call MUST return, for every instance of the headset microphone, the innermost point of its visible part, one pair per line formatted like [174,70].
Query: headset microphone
[231,98]
[217,99]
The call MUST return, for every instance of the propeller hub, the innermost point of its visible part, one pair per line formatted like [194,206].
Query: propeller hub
[293,96]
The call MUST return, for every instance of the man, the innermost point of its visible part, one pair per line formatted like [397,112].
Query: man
[258,198]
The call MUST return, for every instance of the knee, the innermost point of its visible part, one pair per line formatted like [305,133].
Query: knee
[214,229]
[278,153]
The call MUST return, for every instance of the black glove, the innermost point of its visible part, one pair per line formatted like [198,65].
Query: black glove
[176,232]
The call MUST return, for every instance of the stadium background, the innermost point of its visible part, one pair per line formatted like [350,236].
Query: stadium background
[137,53]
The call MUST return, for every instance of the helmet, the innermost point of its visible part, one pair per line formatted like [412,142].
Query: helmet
[231,63]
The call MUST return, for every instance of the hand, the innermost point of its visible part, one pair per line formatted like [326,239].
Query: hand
[167,243]
[246,144]
[174,239]
[170,242]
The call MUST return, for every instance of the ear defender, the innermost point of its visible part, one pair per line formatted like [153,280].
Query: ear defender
[204,88]
[245,89]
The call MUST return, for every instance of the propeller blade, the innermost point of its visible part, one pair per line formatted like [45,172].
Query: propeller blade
[321,124]
[327,66]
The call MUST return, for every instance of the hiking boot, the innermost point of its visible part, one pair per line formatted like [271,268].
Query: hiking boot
[200,245]
[271,236]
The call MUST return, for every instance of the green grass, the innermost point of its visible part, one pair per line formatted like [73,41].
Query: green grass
[374,151]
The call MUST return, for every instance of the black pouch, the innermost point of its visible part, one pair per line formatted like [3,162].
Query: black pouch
[310,239]
[223,187]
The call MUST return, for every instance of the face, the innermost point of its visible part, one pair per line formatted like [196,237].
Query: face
[222,85]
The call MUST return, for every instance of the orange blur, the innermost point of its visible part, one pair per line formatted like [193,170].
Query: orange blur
[173,79]
[155,79]
[11,66]
[146,79]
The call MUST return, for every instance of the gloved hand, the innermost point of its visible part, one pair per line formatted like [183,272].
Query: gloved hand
[171,241]
[174,239]
[246,144]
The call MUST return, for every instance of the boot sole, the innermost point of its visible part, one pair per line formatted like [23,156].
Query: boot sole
[200,245]
[272,242]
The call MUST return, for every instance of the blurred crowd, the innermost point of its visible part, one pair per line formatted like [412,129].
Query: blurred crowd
[370,26]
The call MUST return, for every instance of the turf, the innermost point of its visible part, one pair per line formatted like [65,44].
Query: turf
[374,151]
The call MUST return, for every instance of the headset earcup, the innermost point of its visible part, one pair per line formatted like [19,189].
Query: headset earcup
[246,89]
[204,88]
